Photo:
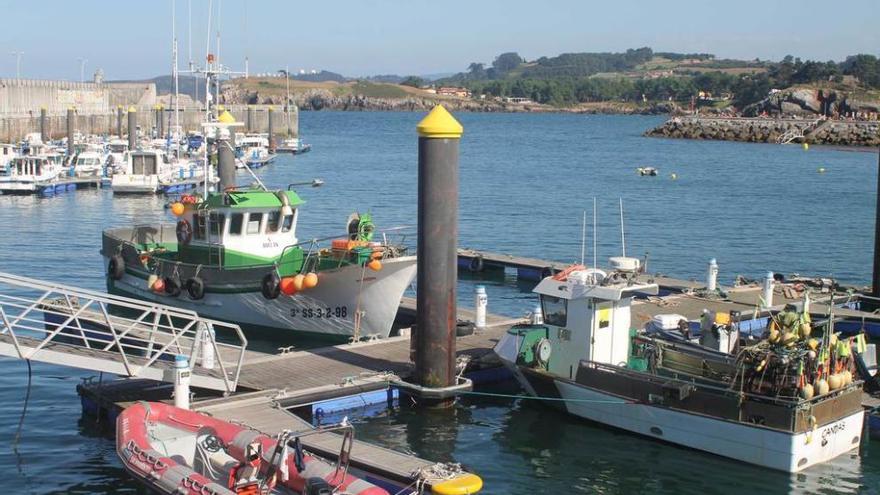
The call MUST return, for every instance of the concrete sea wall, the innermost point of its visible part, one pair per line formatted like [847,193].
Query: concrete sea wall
[96,104]
[765,130]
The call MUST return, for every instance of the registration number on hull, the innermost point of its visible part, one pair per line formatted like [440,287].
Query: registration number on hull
[328,312]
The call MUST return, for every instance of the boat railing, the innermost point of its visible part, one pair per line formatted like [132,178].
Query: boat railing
[80,328]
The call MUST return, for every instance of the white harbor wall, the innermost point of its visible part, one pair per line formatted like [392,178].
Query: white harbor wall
[95,108]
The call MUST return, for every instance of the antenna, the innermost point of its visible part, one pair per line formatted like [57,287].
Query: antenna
[622,235]
[584,237]
[595,236]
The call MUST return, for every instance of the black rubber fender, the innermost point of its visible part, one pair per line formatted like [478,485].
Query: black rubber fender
[271,286]
[317,486]
[195,287]
[476,264]
[116,267]
[173,286]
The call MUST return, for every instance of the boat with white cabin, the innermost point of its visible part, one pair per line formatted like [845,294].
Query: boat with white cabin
[26,173]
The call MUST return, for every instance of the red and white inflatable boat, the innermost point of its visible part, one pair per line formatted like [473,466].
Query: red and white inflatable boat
[180,452]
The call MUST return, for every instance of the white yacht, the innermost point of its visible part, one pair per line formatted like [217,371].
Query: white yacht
[140,172]
[90,162]
[254,151]
[26,173]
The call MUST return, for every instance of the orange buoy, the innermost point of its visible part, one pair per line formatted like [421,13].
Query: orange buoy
[288,287]
[178,208]
[375,265]
[311,280]
[376,255]
[159,285]
[298,280]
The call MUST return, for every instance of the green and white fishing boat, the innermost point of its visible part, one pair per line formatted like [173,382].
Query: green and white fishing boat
[234,255]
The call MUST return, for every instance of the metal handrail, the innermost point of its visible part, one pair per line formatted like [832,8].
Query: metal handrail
[76,327]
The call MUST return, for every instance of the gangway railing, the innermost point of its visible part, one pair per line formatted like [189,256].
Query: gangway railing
[70,326]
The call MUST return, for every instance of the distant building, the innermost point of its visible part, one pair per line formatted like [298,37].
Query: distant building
[516,100]
[453,91]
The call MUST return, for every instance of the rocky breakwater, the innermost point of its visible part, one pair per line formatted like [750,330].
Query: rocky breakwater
[769,130]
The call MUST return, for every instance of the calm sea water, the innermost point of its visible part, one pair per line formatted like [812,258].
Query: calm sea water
[526,180]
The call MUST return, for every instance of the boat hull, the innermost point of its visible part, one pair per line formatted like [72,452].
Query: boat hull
[328,309]
[767,447]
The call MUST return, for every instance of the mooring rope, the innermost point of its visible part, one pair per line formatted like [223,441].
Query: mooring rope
[538,397]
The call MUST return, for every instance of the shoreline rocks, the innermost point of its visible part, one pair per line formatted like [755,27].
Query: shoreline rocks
[765,130]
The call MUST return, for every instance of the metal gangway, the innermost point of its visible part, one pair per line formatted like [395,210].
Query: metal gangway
[69,326]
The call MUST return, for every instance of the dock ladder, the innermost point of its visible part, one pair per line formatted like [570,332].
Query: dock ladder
[69,326]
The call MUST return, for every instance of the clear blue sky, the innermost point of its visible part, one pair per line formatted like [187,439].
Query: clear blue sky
[131,39]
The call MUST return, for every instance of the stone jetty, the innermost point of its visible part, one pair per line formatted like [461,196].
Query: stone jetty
[772,130]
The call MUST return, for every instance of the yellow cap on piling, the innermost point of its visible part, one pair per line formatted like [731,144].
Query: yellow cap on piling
[132,109]
[439,123]
[226,118]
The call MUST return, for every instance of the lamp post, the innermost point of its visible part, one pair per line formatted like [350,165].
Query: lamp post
[17,56]
[82,69]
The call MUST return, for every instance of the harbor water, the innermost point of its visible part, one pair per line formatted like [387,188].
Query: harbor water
[525,182]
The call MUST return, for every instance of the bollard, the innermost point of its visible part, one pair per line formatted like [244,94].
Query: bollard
[207,349]
[70,134]
[712,275]
[119,121]
[271,130]
[439,136]
[44,125]
[181,381]
[481,300]
[132,128]
[768,291]
[537,316]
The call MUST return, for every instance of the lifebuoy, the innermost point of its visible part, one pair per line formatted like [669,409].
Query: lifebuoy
[195,287]
[116,267]
[476,264]
[184,231]
[271,286]
[172,285]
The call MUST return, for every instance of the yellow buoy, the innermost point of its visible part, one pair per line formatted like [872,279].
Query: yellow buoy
[298,280]
[813,343]
[673,176]
[177,208]
[806,146]
[311,280]
[821,170]
[460,485]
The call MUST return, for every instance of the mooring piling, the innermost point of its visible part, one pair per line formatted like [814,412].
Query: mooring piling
[160,118]
[70,133]
[132,128]
[225,153]
[119,121]
[250,118]
[439,136]
[44,125]
[269,114]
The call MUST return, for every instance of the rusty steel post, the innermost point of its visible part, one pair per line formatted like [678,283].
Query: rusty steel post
[439,136]
[70,133]
[271,130]
[44,125]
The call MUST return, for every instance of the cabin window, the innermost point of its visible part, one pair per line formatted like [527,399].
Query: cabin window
[254,221]
[198,226]
[555,310]
[287,224]
[216,223]
[236,220]
[274,220]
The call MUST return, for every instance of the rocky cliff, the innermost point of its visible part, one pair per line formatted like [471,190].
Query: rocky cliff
[810,102]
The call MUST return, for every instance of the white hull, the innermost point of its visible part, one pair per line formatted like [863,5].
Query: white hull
[752,444]
[135,184]
[327,309]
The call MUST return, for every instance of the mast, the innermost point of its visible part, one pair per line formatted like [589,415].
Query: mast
[174,73]
[287,101]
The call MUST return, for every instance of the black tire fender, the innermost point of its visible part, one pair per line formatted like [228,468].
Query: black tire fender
[195,287]
[271,286]
[116,267]
[476,264]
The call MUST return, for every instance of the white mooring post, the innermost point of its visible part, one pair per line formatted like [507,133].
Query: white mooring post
[207,347]
[537,316]
[481,301]
[712,275]
[768,290]
[181,382]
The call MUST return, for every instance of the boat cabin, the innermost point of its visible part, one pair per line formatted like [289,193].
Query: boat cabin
[243,228]
[146,162]
[31,166]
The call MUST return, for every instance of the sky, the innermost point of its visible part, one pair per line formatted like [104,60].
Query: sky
[132,39]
